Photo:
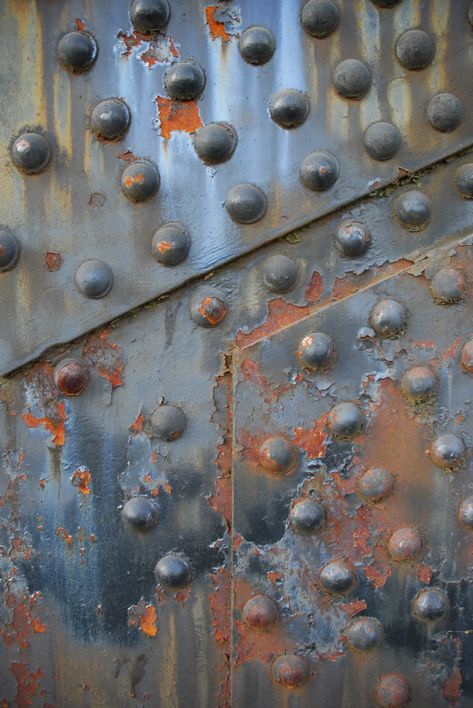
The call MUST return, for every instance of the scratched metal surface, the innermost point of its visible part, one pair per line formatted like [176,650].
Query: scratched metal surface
[76,208]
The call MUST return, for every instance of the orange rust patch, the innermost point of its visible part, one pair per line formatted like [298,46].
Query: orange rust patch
[345,486]
[452,687]
[451,351]
[80,24]
[377,576]
[424,573]
[26,682]
[127,156]
[135,179]
[274,577]
[314,289]
[354,608]
[52,261]
[137,425]
[352,282]
[251,372]
[212,309]
[105,356]
[220,601]
[55,427]
[216,27]
[38,626]
[81,478]
[148,621]
[132,40]
[164,246]
[177,116]
[313,440]
[61,531]
[280,315]
[360,540]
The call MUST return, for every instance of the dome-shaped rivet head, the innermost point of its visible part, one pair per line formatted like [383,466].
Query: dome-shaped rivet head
[307,516]
[184,80]
[168,422]
[215,142]
[290,670]
[385,3]
[94,278]
[257,44]
[465,512]
[388,318]
[77,51]
[448,286]
[171,244]
[430,604]
[289,108]
[208,307]
[413,210]
[278,455]
[71,376]
[405,544]
[415,49]
[279,273]
[173,570]
[110,119]
[140,180]
[392,691]
[149,15]
[464,180]
[316,351]
[319,170]
[352,238]
[376,484]
[31,153]
[260,612]
[467,356]
[9,251]
[419,384]
[337,578]
[320,18]
[447,451]
[364,633]
[141,513]
[382,140]
[352,78]
[246,203]
[346,421]
[445,112]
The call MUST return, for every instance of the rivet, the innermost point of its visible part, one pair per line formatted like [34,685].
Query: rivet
[215,142]
[467,356]
[465,512]
[319,170]
[430,604]
[316,351]
[392,691]
[141,513]
[257,44]
[278,455]
[9,251]
[447,451]
[376,484]
[279,273]
[415,49]
[320,18]
[173,570]
[445,112]
[337,578]
[94,278]
[208,307]
[168,422]
[346,420]
[352,238]
[149,15]
[31,153]
[260,612]
[352,78]
[419,384]
[405,544]
[290,670]
[448,286]
[71,376]
[388,318]
[289,108]
[413,210]
[363,633]
[464,180]
[77,51]
[307,516]
[382,140]
[140,180]
[110,119]
[184,80]
[246,203]
[171,244]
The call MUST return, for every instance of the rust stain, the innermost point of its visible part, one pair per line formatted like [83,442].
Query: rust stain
[424,573]
[352,282]
[452,687]
[280,315]
[137,425]
[127,156]
[354,608]
[55,427]
[212,309]
[314,289]
[219,601]
[61,531]
[360,540]
[452,350]
[274,577]
[80,24]
[132,40]
[251,372]
[177,116]
[377,576]
[26,682]
[106,356]
[42,398]
[313,440]
[81,478]
[216,27]
[38,626]
[130,180]
[52,261]
[164,246]
[148,621]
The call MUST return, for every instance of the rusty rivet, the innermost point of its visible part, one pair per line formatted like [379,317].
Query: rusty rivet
[168,422]
[289,108]
[260,612]
[320,18]
[173,570]
[317,351]
[279,273]
[149,15]
[464,180]
[447,451]
[382,140]
[405,544]
[184,80]
[465,512]
[278,455]
[392,691]
[307,516]
[430,604]
[71,376]
[346,420]
[94,278]
[257,44]
[352,78]
[9,251]
[141,513]
[376,484]
[110,119]
[215,142]
[448,286]
[140,180]
[467,356]
[171,244]
[319,170]
[419,384]
[363,633]
[413,210]
[337,578]
[77,51]
[415,49]
[31,153]
[246,203]
[352,238]
[208,307]
[445,112]
[290,670]
[388,318]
